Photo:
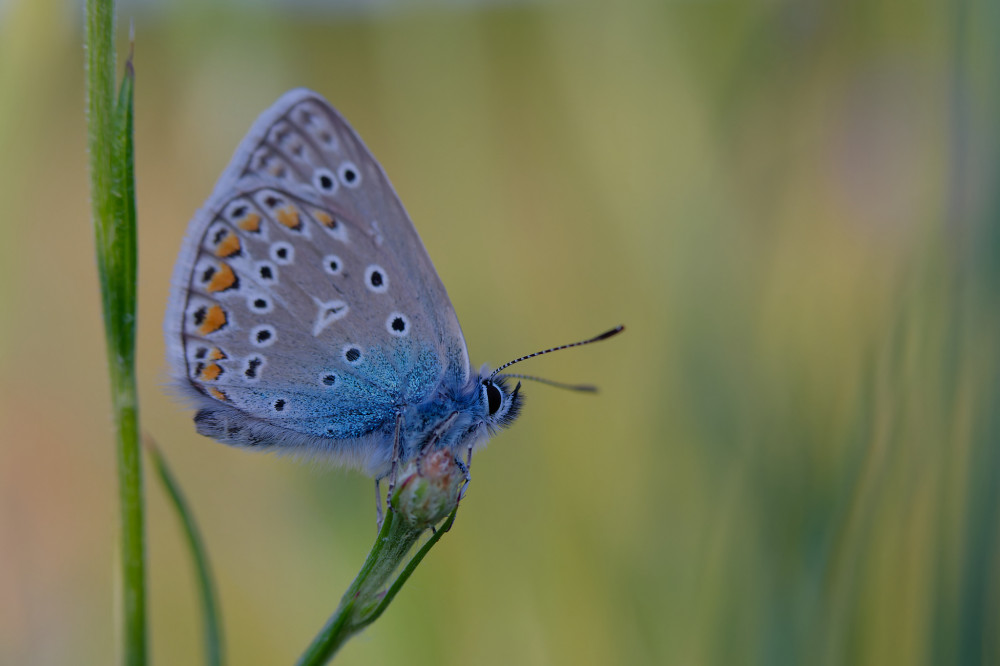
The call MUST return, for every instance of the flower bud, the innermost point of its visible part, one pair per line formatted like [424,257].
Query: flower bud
[429,489]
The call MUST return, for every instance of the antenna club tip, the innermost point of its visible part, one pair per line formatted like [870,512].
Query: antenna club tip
[607,334]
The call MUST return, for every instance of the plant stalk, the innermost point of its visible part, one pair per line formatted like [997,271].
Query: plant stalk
[109,128]
[426,494]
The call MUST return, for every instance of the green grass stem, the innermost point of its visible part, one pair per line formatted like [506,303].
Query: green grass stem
[109,128]
[368,596]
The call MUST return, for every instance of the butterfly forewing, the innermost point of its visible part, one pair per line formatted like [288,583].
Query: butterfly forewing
[308,145]
[303,296]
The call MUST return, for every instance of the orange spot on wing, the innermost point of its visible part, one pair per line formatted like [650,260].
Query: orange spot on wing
[216,354]
[222,279]
[218,395]
[250,223]
[210,372]
[228,246]
[289,216]
[325,218]
[215,319]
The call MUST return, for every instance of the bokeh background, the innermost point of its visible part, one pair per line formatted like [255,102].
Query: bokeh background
[791,204]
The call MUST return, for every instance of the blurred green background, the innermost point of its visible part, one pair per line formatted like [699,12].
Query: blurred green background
[791,205]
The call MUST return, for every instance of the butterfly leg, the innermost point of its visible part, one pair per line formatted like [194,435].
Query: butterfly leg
[378,505]
[431,442]
[465,473]
[438,432]
[465,470]
[396,453]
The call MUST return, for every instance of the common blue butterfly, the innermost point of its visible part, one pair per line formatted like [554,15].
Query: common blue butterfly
[306,315]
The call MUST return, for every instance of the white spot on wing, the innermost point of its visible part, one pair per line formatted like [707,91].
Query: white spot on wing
[376,279]
[376,233]
[252,368]
[259,159]
[267,273]
[282,253]
[263,336]
[325,181]
[315,122]
[329,312]
[398,324]
[349,175]
[332,264]
[260,304]
[352,354]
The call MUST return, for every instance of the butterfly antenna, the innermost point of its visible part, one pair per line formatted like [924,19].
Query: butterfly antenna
[584,388]
[603,336]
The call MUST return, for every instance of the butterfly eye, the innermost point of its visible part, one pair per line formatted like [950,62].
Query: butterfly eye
[493,396]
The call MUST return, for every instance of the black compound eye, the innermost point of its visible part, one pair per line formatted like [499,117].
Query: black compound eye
[494,396]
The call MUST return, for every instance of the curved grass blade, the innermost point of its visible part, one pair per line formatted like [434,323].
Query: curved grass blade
[206,586]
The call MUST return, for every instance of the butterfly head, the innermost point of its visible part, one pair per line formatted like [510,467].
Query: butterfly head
[499,404]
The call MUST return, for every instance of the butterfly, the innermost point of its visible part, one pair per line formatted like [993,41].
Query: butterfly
[305,314]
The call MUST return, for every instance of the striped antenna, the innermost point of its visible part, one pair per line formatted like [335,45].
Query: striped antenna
[584,388]
[603,336]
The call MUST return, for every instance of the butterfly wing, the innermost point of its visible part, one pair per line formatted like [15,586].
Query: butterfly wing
[304,307]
